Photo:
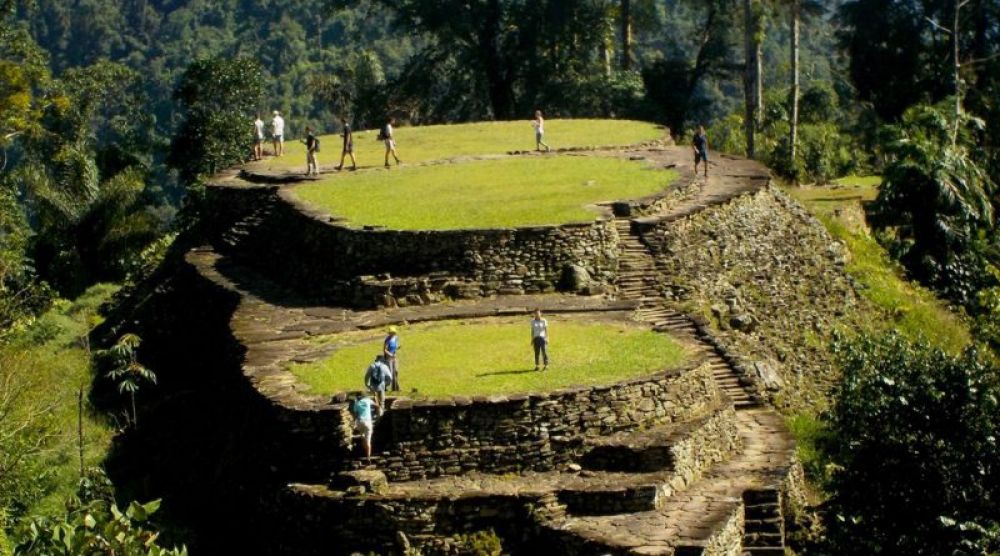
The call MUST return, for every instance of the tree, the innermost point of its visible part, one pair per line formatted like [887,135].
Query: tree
[753,78]
[125,369]
[796,10]
[914,448]
[219,97]
[938,200]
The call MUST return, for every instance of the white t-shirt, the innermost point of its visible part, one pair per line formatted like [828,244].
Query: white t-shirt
[258,127]
[539,125]
[539,328]
[278,125]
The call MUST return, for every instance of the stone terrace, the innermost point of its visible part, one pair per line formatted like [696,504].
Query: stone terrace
[679,462]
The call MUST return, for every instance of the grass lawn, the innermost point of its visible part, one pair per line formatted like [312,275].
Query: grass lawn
[504,192]
[912,309]
[435,142]
[494,356]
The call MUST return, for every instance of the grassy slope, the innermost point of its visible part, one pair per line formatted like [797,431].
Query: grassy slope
[903,305]
[494,356]
[907,307]
[52,359]
[485,193]
[425,143]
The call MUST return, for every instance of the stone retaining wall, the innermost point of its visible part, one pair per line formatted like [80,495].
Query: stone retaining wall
[530,432]
[771,282]
[269,229]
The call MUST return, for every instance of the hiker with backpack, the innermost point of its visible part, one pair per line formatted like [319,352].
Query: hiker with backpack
[378,377]
[348,147]
[385,135]
[312,147]
[364,424]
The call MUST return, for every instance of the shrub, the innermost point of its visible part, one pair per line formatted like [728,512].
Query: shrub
[915,441]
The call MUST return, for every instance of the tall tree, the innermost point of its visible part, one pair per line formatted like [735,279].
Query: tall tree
[751,76]
[797,10]
[626,23]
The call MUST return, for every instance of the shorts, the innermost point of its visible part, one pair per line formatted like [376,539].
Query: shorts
[390,143]
[701,156]
[258,140]
[365,428]
[349,148]
[278,137]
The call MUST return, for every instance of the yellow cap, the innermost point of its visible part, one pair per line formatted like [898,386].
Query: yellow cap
[393,330]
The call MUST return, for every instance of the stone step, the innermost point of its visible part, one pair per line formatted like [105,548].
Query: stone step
[763,551]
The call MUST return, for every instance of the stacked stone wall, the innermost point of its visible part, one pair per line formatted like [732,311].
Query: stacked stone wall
[331,262]
[531,432]
[770,281]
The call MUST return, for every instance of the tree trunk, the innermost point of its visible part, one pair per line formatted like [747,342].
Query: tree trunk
[626,22]
[759,81]
[957,61]
[793,100]
[501,94]
[749,78]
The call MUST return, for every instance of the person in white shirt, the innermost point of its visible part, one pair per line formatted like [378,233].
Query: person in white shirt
[540,339]
[390,142]
[539,124]
[278,133]
[258,138]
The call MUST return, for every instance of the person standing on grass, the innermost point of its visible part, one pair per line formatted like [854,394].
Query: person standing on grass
[540,339]
[348,148]
[378,377]
[278,133]
[539,124]
[312,147]
[361,409]
[390,141]
[390,352]
[258,138]
[700,144]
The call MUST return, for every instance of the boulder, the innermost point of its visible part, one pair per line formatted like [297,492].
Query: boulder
[575,278]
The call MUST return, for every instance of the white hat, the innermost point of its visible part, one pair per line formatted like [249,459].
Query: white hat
[275,112]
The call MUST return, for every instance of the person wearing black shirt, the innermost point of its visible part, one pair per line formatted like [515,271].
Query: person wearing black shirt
[348,145]
[700,149]
[312,147]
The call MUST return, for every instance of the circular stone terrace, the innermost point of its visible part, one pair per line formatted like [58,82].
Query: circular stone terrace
[629,443]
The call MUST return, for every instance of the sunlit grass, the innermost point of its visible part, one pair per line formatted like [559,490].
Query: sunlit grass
[485,193]
[425,143]
[494,356]
[906,306]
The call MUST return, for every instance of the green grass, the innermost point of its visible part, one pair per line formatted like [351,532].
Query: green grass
[50,360]
[425,143]
[907,307]
[506,192]
[494,356]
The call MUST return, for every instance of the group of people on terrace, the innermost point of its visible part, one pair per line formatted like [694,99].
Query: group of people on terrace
[312,142]
[383,375]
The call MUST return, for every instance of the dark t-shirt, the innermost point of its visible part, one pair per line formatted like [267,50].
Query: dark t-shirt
[701,142]
[310,142]
[347,135]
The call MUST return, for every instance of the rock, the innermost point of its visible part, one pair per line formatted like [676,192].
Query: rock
[768,376]
[362,480]
[573,468]
[742,322]
[575,278]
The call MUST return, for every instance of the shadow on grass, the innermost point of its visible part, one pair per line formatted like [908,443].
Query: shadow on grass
[498,373]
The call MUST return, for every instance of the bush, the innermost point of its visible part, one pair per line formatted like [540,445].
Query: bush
[915,443]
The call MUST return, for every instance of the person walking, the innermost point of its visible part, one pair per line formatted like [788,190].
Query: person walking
[540,339]
[378,377]
[700,144]
[390,353]
[278,133]
[348,148]
[539,124]
[386,135]
[258,138]
[312,147]
[361,410]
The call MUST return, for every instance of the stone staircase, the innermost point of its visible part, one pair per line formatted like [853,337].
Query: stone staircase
[637,280]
